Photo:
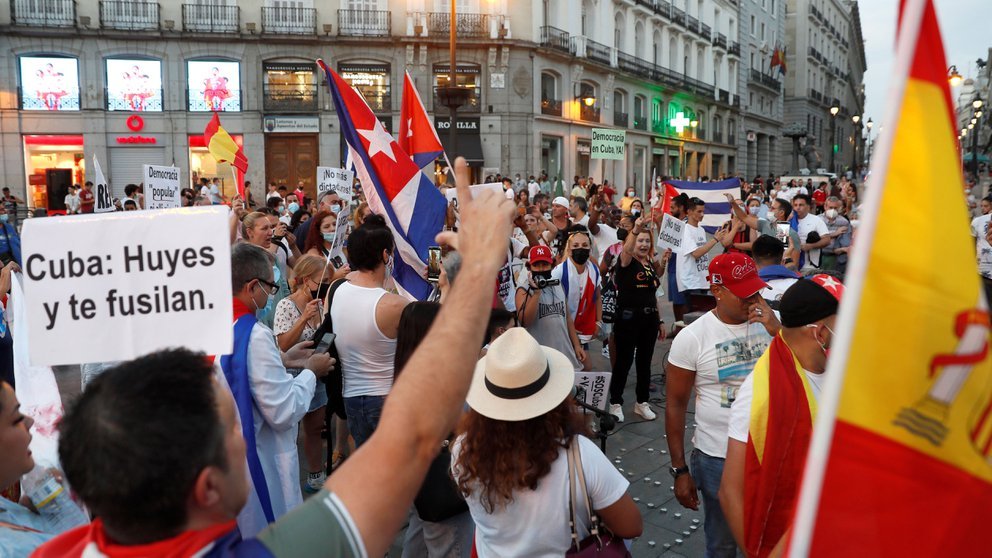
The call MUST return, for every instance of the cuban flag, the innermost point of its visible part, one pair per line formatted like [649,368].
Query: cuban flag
[417,135]
[717,210]
[393,185]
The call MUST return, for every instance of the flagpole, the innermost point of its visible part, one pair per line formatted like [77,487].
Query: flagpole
[823,430]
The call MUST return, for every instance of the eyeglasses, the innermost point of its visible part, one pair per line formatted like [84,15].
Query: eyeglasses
[272,287]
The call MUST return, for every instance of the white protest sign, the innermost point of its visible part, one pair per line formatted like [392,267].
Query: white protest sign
[103,199]
[337,180]
[670,235]
[476,189]
[608,144]
[161,187]
[340,235]
[593,388]
[115,287]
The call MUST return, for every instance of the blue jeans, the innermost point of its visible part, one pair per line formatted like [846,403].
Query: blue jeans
[707,472]
[363,416]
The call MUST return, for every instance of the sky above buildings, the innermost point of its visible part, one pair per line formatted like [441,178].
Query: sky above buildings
[964,26]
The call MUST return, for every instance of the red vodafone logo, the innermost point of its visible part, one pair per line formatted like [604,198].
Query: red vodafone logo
[135,123]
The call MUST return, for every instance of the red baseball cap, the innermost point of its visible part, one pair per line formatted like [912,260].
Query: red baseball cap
[540,254]
[737,273]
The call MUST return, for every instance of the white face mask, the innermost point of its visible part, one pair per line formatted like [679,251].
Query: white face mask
[831,214]
[630,194]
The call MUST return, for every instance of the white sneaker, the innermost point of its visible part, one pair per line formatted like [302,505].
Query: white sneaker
[644,411]
[606,351]
[315,481]
[617,411]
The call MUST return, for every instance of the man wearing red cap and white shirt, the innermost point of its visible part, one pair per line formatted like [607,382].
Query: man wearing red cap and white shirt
[776,406]
[542,307]
[713,355]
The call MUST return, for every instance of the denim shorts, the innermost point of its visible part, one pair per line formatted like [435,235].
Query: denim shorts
[319,393]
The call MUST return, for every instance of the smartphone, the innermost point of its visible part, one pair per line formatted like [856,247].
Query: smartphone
[433,263]
[338,262]
[325,343]
[782,231]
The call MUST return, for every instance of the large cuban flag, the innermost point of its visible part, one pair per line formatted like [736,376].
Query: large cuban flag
[717,210]
[393,184]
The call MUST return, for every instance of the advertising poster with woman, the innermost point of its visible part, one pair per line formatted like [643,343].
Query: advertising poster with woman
[134,85]
[49,83]
[213,85]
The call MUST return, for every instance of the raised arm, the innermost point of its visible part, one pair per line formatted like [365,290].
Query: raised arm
[378,483]
[738,211]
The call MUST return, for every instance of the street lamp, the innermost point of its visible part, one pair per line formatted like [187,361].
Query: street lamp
[451,95]
[856,136]
[868,125]
[953,77]
[833,136]
[975,121]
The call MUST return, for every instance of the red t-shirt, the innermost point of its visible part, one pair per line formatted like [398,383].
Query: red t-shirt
[819,197]
[86,201]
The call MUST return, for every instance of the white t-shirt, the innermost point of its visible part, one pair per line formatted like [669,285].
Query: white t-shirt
[690,272]
[205,191]
[807,225]
[535,523]
[215,195]
[533,188]
[980,226]
[740,412]
[509,193]
[722,355]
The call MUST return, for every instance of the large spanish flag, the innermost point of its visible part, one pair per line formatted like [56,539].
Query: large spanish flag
[901,458]
[225,150]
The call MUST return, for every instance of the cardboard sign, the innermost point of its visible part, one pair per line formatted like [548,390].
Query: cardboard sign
[330,179]
[608,144]
[161,187]
[103,198]
[115,287]
[670,235]
[340,235]
[593,388]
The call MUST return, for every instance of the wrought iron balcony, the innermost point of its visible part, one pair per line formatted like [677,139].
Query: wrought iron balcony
[765,80]
[640,123]
[634,65]
[211,18]
[724,96]
[735,48]
[720,40]
[678,16]
[551,107]
[705,31]
[201,100]
[693,24]
[621,119]
[598,52]
[556,39]
[61,100]
[129,15]
[364,23]
[289,20]
[43,13]
[588,114]
[135,103]
[466,25]
[289,98]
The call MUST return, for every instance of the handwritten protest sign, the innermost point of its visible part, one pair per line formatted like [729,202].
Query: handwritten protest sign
[115,287]
[670,235]
[608,143]
[161,187]
[104,200]
[330,179]
[593,388]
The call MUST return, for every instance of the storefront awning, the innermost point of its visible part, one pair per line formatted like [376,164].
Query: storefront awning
[468,146]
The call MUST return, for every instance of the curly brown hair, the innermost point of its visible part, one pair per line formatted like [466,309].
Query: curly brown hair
[498,457]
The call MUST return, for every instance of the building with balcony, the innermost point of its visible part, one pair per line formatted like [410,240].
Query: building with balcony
[762,34]
[826,62]
[136,82]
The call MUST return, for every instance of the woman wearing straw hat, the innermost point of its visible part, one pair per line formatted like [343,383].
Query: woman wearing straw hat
[510,459]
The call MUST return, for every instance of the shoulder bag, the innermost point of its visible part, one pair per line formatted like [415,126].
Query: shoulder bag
[333,382]
[600,542]
[438,498]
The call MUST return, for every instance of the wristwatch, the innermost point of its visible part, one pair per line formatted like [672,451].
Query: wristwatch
[677,472]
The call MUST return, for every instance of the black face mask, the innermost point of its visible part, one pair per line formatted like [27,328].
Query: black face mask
[622,234]
[635,213]
[580,255]
[321,291]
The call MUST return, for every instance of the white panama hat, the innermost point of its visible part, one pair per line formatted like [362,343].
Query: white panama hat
[519,379]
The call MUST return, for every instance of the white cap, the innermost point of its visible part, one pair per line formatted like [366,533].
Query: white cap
[560,200]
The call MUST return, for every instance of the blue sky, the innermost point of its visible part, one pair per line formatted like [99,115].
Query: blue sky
[964,26]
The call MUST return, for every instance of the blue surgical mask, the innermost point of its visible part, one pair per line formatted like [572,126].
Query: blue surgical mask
[282,208]
[335,209]
[329,237]
[294,207]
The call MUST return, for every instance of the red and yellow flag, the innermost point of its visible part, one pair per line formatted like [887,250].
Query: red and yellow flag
[903,441]
[225,150]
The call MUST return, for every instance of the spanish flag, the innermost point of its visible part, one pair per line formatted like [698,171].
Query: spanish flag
[225,150]
[901,458]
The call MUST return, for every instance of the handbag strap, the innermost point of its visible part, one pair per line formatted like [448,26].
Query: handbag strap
[593,518]
[572,516]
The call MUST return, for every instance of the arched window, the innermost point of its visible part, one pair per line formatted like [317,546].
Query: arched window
[639,40]
[619,31]
[589,102]
[657,48]
[620,116]
[640,121]
[550,96]
[672,55]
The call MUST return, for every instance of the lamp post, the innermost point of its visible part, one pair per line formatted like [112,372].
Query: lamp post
[451,95]
[868,125]
[833,136]
[953,77]
[855,136]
